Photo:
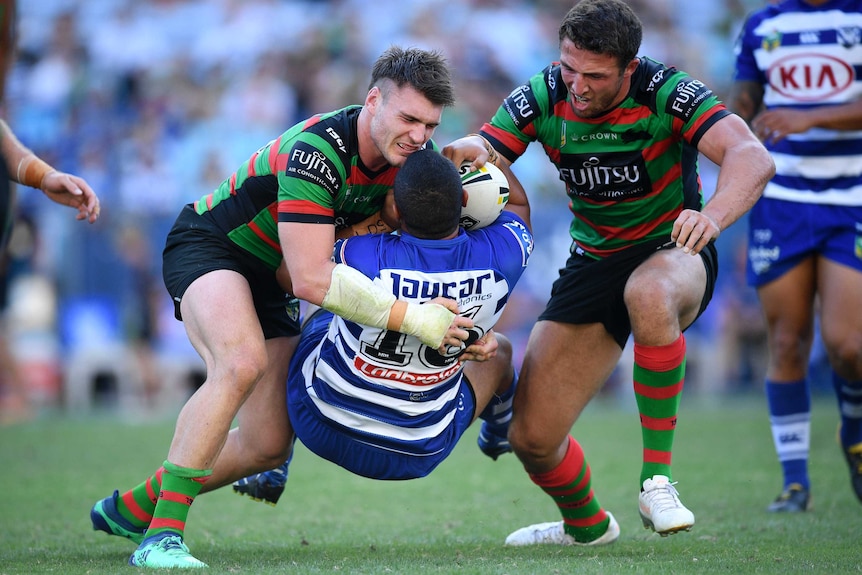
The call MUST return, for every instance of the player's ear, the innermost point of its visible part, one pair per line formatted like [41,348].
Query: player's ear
[397,213]
[464,199]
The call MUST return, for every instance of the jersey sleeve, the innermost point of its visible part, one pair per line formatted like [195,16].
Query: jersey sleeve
[310,175]
[514,125]
[513,244]
[360,253]
[689,107]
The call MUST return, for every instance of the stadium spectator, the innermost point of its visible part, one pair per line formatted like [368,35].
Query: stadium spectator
[794,83]
[19,164]
[233,263]
[624,135]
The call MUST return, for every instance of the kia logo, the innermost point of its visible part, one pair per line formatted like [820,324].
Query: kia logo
[810,77]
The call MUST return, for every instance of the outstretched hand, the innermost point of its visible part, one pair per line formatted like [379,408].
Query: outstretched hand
[72,191]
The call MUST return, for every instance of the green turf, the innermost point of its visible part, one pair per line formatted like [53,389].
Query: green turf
[53,469]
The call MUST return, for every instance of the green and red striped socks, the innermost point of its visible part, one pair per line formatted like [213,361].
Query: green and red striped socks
[162,502]
[180,486]
[659,373]
[570,486]
[137,504]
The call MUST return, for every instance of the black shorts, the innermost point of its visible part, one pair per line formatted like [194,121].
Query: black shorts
[195,246]
[591,291]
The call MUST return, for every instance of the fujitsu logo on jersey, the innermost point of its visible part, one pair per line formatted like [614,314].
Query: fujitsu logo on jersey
[521,106]
[810,77]
[312,165]
[609,177]
[689,95]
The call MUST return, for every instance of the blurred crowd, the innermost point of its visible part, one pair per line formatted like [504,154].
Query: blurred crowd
[154,103]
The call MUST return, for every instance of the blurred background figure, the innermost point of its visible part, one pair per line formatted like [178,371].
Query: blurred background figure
[20,164]
[130,97]
[795,84]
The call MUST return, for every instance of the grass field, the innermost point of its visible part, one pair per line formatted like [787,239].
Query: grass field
[53,469]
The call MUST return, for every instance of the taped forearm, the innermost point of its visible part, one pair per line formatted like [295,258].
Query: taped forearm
[356,298]
[28,169]
[32,171]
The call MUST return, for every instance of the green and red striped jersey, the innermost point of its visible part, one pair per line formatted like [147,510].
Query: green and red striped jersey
[311,173]
[628,173]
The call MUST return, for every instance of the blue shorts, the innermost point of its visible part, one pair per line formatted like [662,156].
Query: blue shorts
[781,234]
[368,456]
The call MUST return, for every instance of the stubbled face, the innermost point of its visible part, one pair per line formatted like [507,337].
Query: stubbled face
[594,81]
[402,121]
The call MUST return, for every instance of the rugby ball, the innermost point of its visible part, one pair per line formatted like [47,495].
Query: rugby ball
[487,195]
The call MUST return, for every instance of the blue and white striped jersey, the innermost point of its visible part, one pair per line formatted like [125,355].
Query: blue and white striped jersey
[809,56]
[387,388]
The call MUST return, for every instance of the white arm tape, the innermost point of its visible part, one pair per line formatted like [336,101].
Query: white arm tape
[355,297]
[429,322]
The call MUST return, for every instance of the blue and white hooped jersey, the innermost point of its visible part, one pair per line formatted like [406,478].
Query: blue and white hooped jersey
[808,56]
[387,388]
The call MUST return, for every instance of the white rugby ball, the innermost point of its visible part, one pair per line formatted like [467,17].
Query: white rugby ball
[487,195]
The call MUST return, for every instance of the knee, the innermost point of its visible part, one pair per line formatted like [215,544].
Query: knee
[790,349]
[242,367]
[268,452]
[845,356]
[529,443]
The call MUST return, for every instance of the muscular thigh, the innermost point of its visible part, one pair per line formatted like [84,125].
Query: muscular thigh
[263,416]
[220,319]
[840,291]
[788,300]
[563,368]
[667,292]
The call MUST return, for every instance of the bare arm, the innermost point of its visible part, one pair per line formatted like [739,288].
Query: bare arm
[28,169]
[745,169]
[774,125]
[518,202]
[312,276]
[745,99]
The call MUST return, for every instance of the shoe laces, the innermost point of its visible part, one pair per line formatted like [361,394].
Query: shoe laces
[663,496]
[172,545]
[553,533]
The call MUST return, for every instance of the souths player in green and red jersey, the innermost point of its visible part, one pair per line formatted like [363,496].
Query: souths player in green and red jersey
[628,171]
[312,173]
[233,262]
[623,132]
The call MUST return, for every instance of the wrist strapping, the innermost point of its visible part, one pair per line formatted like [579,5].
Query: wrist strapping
[34,171]
[356,298]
